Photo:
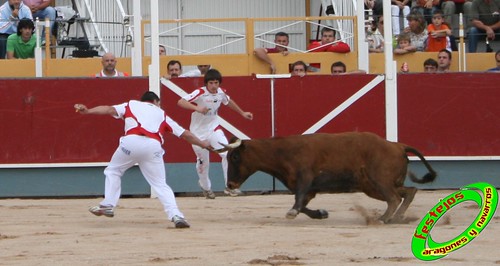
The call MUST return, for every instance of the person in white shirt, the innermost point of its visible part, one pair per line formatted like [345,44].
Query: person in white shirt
[109,62]
[205,103]
[199,72]
[145,124]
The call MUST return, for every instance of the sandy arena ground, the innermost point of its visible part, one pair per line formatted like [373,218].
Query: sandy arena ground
[246,230]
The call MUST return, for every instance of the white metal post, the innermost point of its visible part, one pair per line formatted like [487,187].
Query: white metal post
[154,67]
[363,58]
[391,99]
[136,51]
[38,50]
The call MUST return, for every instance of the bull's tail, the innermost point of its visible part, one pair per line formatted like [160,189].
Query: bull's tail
[429,177]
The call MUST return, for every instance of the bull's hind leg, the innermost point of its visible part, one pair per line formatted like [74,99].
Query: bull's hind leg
[407,193]
[393,200]
[383,191]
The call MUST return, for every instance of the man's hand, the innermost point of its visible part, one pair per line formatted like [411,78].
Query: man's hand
[80,108]
[15,12]
[247,115]
[273,69]
[202,110]
[490,33]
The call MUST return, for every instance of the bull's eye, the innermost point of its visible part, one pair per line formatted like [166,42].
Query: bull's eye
[234,157]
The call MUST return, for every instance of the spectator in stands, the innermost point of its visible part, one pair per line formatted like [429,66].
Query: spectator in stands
[396,8]
[328,43]
[375,6]
[162,50]
[376,38]
[444,61]
[281,40]
[22,44]
[199,72]
[452,7]
[430,65]
[174,69]
[417,30]
[41,9]
[109,62]
[10,13]
[339,68]
[299,68]
[426,8]
[438,33]
[497,58]
[485,21]
[404,45]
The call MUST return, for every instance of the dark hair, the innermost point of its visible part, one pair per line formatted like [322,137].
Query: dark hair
[327,29]
[438,12]
[25,23]
[300,63]
[338,64]
[149,96]
[431,62]
[445,51]
[281,33]
[498,52]
[173,62]
[212,74]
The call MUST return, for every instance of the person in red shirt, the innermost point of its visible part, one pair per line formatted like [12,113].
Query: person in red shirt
[328,43]
[281,40]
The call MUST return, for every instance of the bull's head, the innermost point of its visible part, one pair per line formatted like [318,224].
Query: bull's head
[240,166]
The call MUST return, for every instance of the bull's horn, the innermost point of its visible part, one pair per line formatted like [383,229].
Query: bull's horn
[229,146]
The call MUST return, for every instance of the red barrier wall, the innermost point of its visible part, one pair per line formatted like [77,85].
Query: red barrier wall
[450,114]
[442,115]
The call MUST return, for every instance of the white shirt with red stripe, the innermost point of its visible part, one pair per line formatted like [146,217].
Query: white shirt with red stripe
[203,125]
[146,119]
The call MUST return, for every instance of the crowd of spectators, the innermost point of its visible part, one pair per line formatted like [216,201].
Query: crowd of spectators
[417,26]
[431,22]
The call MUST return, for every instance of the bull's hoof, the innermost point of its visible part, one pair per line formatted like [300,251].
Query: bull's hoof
[323,214]
[292,213]
[384,220]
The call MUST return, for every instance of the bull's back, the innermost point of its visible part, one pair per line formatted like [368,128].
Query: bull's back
[340,162]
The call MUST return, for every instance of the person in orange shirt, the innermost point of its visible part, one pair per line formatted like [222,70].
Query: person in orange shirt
[328,43]
[438,33]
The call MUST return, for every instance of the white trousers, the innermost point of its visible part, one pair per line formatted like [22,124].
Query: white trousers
[148,154]
[395,12]
[203,159]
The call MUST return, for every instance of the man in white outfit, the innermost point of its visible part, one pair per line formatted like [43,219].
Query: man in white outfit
[145,124]
[205,103]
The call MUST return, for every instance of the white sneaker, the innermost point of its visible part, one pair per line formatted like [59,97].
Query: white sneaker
[209,194]
[180,222]
[233,192]
[102,210]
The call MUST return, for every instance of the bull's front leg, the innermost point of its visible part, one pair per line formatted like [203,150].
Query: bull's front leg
[315,214]
[294,211]
[303,200]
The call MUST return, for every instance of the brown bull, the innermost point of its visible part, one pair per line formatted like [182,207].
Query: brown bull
[330,163]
